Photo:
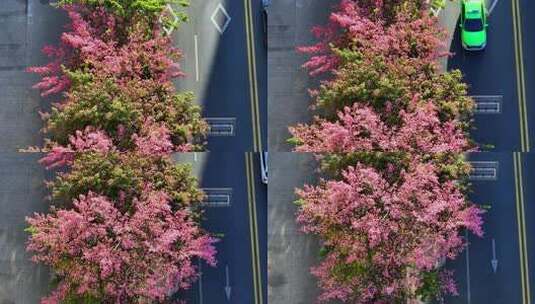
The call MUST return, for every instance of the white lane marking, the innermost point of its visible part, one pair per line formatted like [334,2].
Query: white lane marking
[169,29]
[494,261]
[221,126]
[493,6]
[468,290]
[195,156]
[195,39]
[434,10]
[217,197]
[484,170]
[228,288]
[488,104]
[28,40]
[223,27]
[490,107]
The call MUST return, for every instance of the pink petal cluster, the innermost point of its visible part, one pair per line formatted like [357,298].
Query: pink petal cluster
[132,257]
[361,128]
[351,26]
[155,139]
[88,140]
[93,41]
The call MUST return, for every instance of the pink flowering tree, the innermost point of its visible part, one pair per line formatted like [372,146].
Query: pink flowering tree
[350,26]
[396,129]
[101,254]
[361,129]
[394,209]
[124,226]
[385,232]
[112,80]
[92,42]
[155,13]
[396,93]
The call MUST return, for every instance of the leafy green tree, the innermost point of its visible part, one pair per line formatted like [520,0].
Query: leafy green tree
[121,110]
[123,176]
[151,11]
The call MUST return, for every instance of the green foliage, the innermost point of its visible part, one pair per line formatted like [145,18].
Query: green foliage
[31,230]
[85,299]
[345,272]
[333,164]
[431,286]
[102,103]
[438,4]
[368,78]
[124,176]
[149,10]
[450,166]
[94,101]
[294,141]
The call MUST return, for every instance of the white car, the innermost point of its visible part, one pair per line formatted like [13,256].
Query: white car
[264,167]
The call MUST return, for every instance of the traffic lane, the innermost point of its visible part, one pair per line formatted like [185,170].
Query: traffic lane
[24,29]
[476,280]
[291,252]
[22,194]
[230,223]
[492,72]
[528,165]
[261,215]
[527,25]
[260,27]
[216,65]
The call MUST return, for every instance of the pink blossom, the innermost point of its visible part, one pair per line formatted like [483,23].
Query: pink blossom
[88,140]
[155,139]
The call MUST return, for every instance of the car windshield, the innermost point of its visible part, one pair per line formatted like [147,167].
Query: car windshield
[473,25]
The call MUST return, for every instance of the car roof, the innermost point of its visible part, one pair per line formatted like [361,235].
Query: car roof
[472,8]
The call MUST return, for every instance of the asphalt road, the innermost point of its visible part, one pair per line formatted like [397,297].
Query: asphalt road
[502,75]
[225,60]
[291,252]
[478,283]
[290,23]
[236,210]
[25,27]
[492,72]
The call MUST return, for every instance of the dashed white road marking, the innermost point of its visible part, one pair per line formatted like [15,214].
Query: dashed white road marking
[196,43]
[492,6]
[484,170]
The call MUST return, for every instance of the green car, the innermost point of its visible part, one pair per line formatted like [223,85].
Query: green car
[473,24]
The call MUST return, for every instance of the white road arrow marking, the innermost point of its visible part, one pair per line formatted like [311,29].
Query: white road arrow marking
[493,6]
[494,261]
[228,289]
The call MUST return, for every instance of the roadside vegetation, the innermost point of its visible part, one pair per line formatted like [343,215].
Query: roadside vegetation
[123,226]
[391,130]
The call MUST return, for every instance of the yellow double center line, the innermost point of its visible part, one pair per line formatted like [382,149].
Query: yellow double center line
[521,85]
[521,221]
[253,225]
[255,111]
